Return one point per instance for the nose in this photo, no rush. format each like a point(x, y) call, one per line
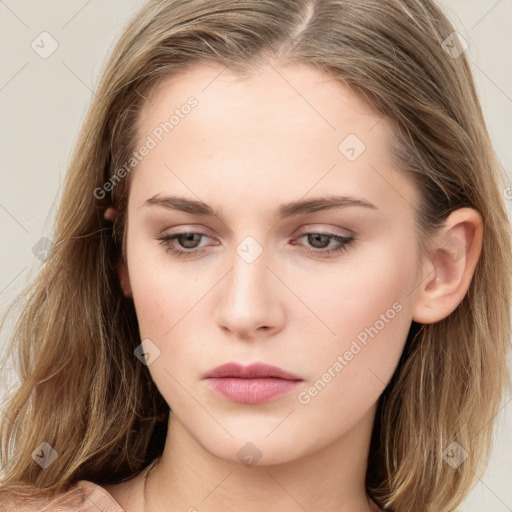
point(249, 302)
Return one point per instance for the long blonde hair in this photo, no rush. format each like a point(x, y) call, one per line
point(84, 392)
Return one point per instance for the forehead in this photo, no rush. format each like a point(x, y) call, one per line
point(273, 95)
point(288, 128)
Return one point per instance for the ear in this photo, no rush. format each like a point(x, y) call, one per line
point(124, 278)
point(111, 215)
point(449, 268)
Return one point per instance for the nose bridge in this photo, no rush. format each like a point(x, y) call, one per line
point(249, 281)
point(249, 300)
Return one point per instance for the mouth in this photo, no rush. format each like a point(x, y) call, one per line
point(253, 384)
point(252, 371)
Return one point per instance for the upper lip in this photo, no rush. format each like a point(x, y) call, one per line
point(252, 371)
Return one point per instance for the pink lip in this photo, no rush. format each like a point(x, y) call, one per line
point(252, 371)
point(253, 384)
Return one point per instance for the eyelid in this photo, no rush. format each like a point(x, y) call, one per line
point(321, 229)
point(186, 228)
point(317, 228)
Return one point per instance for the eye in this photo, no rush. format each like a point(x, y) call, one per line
point(321, 240)
point(188, 240)
point(185, 244)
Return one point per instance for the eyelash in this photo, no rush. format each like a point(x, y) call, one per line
point(167, 240)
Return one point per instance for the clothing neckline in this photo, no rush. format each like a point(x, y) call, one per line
point(94, 487)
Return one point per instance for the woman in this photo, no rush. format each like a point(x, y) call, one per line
point(280, 276)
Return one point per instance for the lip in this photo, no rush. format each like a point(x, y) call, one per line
point(253, 371)
point(253, 384)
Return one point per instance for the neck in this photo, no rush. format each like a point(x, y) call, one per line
point(190, 478)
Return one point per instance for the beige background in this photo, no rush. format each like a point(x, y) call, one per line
point(43, 103)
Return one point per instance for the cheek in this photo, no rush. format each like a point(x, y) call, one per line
point(363, 316)
point(164, 300)
point(162, 293)
point(168, 307)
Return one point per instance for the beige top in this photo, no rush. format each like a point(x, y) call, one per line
point(92, 498)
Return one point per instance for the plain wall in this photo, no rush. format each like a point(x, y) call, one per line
point(43, 102)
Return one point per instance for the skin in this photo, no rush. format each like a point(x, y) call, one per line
point(250, 145)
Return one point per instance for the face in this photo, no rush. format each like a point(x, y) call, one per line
point(324, 293)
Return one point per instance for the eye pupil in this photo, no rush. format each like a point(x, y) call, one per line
point(315, 236)
point(189, 237)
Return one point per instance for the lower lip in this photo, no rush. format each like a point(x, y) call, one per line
point(251, 391)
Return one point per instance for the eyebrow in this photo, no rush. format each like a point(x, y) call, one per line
point(290, 209)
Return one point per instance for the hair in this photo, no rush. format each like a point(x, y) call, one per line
point(81, 388)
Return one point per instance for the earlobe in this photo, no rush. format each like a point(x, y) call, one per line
point(110, 214)
point(451, 265)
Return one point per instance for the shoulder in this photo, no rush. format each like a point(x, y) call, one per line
point(98, 498)
point(82, 496)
